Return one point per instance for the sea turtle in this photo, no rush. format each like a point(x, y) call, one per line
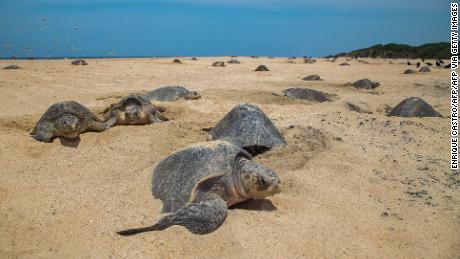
point(233, 61)
point(344, 64)
point(171, 93)
point(414, 107)
point(79, 62)
point(248, 127)
point(132, 110)
point(177, 61)
point(194, 59)
point(365, 84)
point(262, 68)
point(66, 119)
point(312, 78)
point(198, 183)
point(309, 60)
point(409, 71)
point(12, 67)
point(424, 69)
point(218, 64)
point(307, 94)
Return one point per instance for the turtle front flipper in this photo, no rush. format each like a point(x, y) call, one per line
point(43, 132)
point(155, 116)
point(96, 125)
point(200, 217)
point(110, 122)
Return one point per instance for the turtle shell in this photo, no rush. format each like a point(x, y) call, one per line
point(248, 127)
point(167, 93)
point(306, 94)
point(414, 107)
point(175, 177)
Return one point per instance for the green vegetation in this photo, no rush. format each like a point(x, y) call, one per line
point(430, 51)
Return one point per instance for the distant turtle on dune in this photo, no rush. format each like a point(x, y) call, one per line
point(365, 84)
point(218, 64)
point(194, 59)
point(198, 183)
point(312, 78)
point(409, 71)
point(177, 61)
point(344, 64)
point(79, 62)
point(66, 119)
point(233, 61)
point(171, 93)
point(414, 107)
point(248, 127)
point(262, 68)
point(132, 110)
point(424, 69)
point(307, 94)
point(12, 67)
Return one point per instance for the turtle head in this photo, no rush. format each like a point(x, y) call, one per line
point(68, 123)
point(192, 95)
point(132, 112)
point(258, 181)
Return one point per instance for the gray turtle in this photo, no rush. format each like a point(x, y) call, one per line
point(248, 127)
point(365, 84)
point(79, 62)
point(409, 71)
point(424, 69)
point(66, 119)
point(12, 67)
point(309, 60)
point(198, 183)
point(218, 64)
point(132, 110)
point(233, 61)
point(312, 78)
point(307, 94)
point(171, 93)
point(262, 68)
point(414, 107)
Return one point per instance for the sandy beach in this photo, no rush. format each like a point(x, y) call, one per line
point(354, 184)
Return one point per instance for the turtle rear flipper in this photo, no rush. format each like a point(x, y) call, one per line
point(200, 217)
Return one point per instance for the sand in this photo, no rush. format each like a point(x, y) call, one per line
point(354, 184)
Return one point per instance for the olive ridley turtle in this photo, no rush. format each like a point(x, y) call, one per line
point(198, 183)
point(262, 68)
point(171, 93)
point(132, 110)
point(414, 107)
point(66, 119)
point(248, 127)
point(307, 94)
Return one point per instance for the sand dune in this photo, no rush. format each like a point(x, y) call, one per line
point(354, 184)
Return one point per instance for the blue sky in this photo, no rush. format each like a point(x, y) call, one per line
point(212, 28)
